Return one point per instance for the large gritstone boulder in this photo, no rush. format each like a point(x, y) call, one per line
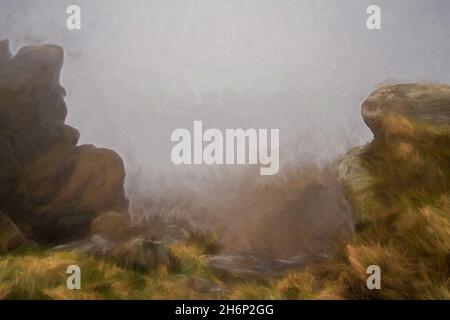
point(49, 187)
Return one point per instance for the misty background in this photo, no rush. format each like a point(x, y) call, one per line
point(139, 69)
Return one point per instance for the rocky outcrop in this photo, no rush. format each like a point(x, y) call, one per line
point(420, 103)
point(410, 149)
point(49, 187)
point(398, 189)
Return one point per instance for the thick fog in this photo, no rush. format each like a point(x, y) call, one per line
point(137, 70)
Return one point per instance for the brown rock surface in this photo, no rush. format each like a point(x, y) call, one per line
point(50, 187)
point(10, 235)
point(423, 103)
point(111, 225)
point(410, 149)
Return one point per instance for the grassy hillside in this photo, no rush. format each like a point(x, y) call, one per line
point(398, 188)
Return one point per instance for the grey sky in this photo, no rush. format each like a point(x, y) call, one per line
point(139, 69)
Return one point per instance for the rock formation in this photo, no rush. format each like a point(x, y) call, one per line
point(398, 189)
point(50, 188)
point(424, 103)
point(410, 149)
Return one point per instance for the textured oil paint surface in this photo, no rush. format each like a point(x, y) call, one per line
point(138, 70)
point(251, 149)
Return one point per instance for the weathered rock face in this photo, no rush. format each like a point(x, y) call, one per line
point(425, 103)
point(408, 117)
point(49, 187)
point(410, 149)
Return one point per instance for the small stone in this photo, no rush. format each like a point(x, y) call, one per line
point(141, 254)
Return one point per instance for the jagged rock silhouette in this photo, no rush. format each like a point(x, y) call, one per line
point(49, 187)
